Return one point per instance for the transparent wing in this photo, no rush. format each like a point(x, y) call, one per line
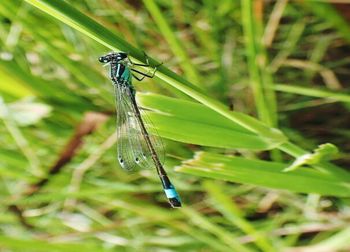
point(133, 151)
point(156, 140)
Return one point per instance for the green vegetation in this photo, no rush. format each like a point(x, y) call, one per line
point(252, 102)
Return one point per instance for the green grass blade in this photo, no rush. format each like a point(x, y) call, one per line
point(37, 86)
point(289, 46)
point(15, 86)
point(228, 208)
point(313, 92)
point(324, 152)
point(327, 12)
point(202, 222)
point(38, 245)
point(264, 173)
point(190, 122)
point(325, 167)
point(202, 236)
point(336, 242)
point(261, 80)
point(174, 43)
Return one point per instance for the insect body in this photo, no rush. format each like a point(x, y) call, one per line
point(136, 147)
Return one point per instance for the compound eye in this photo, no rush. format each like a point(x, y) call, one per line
point(104, 59)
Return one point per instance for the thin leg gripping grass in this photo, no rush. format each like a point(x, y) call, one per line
point(136, 147)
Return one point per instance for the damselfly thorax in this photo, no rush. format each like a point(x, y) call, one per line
point(121, 73)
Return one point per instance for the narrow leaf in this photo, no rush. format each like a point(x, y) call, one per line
point(324, 152)
point(194, 123)
point(14, 244)
point(264, 173)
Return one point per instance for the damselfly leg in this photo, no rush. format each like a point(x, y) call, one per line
point(144, 75)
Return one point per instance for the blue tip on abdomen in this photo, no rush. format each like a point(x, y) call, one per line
point(173, 197)
point(171, 193)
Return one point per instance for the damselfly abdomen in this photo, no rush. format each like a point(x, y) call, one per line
point(136, 147)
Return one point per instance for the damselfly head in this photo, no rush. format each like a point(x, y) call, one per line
point(113, 57)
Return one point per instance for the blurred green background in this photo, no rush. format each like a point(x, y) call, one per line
point(252, 101)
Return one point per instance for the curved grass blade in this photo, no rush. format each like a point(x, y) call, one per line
point(194, 123)
point(263, 173)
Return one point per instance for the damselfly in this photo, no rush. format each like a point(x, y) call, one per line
point(137, 148)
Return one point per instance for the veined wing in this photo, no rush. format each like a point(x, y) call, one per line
point(133, 151)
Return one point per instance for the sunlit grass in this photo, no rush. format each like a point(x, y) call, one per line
point(229, 96)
